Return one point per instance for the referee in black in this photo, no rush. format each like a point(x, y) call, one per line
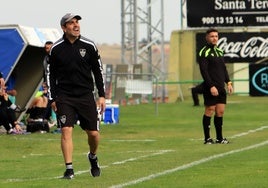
point(215, 75)
point(73, 60)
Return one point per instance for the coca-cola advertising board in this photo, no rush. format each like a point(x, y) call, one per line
point(240, 46)
point(258, 83)
point(226, 13)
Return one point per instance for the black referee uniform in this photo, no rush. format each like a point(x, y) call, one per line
point(214, 72)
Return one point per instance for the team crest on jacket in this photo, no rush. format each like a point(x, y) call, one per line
point(82, 52)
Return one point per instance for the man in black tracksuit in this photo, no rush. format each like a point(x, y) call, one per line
point(73, 60)
point(215, 75)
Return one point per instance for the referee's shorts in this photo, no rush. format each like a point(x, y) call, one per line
point(82, 108)
point(210, 100)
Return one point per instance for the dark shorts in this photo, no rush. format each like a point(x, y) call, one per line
point(83, 108)
point(210, 100)
point(35, 126)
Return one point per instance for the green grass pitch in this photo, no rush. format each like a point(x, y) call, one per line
point(149, 150)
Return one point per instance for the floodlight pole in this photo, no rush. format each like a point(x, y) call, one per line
point(142, 30)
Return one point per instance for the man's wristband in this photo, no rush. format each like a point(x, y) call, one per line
point(229, 83)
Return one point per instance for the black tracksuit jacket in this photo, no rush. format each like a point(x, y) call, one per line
point(72, 66)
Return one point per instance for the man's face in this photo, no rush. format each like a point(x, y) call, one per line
point(72, 28)
point(212, 38)
point(47, 47)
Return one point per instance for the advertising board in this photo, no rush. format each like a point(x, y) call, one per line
point(239, 46)
point(226, 13)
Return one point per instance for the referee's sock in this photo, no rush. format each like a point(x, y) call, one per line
point(206, 126)
point(218, 127)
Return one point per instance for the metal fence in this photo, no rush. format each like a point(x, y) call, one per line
point(131, 88)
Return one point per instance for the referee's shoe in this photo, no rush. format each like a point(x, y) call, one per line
point(209, 141)
point(223, 141)
point(95, 169)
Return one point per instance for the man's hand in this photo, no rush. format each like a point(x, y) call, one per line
point(54, 106)
point(214, 91)
point(18, 128)
point(101, 104)
point(230, 89)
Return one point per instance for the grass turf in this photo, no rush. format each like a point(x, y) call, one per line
point(145, 150)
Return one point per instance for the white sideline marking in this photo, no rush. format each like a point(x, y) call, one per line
point(35, 139)
point(159, 152)
point(57, 139)
point(143, 151)
point(144, 156)
point(250, 131)
point(146, 140)
point(241, 134)
point(189, 165)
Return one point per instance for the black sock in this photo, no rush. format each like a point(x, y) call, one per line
point(218, 127)
point(206, 126)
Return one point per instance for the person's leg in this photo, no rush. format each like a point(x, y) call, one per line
point(66, 118)
point(200, 88)
point(218, 122)
point(67, 144)
point(87, 115)
point(218, 127)
point(7, 126)
point(206, 127)
point(93, 141)
point(67, 151)
point(195, 96)
point(53, 116)
point(13, 120)
point(4, 120)
point(210, 107)
point(48, 112)
point(209, 110)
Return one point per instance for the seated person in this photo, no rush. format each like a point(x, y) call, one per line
point(7, 115)
point(37, 111)
point(50, 114)
point(2, 81)
point(11, 95)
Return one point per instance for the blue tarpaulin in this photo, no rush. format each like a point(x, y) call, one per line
point(11, 47)
point(21, 59)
